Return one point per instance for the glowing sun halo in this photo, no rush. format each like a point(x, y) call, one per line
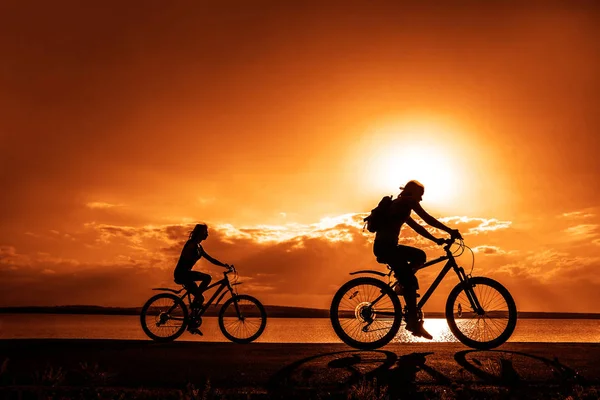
point(428, 164)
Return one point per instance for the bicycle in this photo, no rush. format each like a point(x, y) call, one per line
point(242, 318)
point(366, 312)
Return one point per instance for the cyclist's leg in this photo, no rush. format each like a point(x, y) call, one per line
point(199, 289)
point(407, 258)
point(384, 252)
point(402, 261)
point(415, 257)
point(187, 279)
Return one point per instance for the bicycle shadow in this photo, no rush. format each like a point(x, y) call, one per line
point(386, 374)
point(339, 372)
point(515, 368)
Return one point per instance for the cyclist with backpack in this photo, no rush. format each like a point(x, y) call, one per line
point(386, 221)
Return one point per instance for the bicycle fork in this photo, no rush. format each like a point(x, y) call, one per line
point(469, 292)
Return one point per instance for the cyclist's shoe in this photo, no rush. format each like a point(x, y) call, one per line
point(194, 326)
point(195, 331)
point(417, 329)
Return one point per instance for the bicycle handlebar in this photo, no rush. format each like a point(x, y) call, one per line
point(230, 269)
point(451, 241)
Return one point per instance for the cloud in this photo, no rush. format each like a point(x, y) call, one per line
point(101, 205)
point(206, 200)
point(489, 250)
point(277, 262)
point(476, 225)
point(340, 228)
point(290, 264)
point(555, 267)
point(137, 238)
point(7, 251)
point(10, 258)
point(578, 214)
point(120, 285)
point(582, 231)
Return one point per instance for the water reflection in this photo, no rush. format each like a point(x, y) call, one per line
point(437, 327)
point(278, 330)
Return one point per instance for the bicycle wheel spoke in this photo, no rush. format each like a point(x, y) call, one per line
point(487, 327)
point(242, 319)
point(365, 312)
point(163, 318)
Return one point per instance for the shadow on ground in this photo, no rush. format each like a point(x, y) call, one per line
point(382, 374)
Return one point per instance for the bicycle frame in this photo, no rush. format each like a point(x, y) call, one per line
point(462, 277)
point(223, 284)
point(450, 264)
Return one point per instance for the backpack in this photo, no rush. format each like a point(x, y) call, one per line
point(379, 215)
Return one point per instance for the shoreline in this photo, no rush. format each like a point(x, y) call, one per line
point(272, 312)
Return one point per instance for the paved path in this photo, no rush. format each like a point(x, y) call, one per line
point(274, 368)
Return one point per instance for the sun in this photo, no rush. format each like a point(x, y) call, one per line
point(429, 163)
point(425, 163)
point(446, 156)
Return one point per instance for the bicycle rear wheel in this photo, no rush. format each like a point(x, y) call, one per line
point(164, 317)
point(365, 313)
point(488, 329)
point(242, 319)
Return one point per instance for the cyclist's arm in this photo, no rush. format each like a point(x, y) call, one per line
point(431, 220)
point(420, 229)
point(214, 260)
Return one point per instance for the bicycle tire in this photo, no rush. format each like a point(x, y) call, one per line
point(501, 321)
point(341, 324)
point(184, 317)
point(256, 309)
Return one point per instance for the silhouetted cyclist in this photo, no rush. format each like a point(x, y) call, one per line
point(192, 251)
point(405, 259)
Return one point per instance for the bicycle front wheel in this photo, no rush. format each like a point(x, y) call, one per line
point(164, 317)
point(493, 325)
point(365, 313)
point(242, 319)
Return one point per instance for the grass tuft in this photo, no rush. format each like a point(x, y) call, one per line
point(368, 390)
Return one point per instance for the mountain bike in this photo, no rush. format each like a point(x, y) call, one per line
point(366, 312)
point(242, 318)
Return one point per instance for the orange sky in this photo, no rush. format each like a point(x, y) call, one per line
point(279, 124)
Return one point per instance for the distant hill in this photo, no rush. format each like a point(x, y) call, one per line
point(272, 312)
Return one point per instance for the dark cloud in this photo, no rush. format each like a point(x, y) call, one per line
point(299, 265)
point(110, 285)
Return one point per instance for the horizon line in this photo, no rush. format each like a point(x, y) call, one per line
point(266, 305)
